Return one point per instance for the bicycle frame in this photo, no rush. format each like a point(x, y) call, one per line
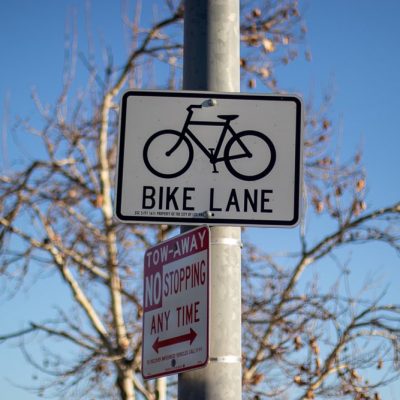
point(212, 153)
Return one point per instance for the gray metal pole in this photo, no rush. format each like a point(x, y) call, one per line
point(211, 62)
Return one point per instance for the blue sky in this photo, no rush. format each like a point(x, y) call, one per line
point(355, 56)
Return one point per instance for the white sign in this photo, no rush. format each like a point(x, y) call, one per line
point(215, 158)
point(176, 305)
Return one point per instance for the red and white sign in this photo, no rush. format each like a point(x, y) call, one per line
point(176, 304)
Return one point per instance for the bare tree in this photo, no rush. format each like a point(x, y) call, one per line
point(56, 213)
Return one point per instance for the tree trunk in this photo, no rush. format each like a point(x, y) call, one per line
point(125, 384)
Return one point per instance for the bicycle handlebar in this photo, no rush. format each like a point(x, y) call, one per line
point(205, 103)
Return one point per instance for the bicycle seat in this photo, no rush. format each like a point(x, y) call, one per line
point(228, 117)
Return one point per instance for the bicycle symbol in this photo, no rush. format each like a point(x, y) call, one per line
point(178, 155)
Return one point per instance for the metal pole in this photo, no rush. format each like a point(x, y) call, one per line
point(211, 62)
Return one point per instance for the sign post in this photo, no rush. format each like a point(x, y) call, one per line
point(211, 62)
point(176, 305)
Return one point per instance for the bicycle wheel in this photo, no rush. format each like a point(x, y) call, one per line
point(166, 165)
point(245, 145)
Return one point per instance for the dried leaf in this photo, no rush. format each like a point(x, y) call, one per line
point(257, 378)
point(99, 201)
point(325, 124)
point(360, 185)
point(252, 40)
point(322, 138)
point(358, 207)
point(265, 73)
point(268, 45)
point(318, 204)
point(295, 12)
point(267, 26)
point(72, 193)
point(297, 343)
point(355, 375)
point(297, 379)
point(314, 346)
point(325, 161)
point(272, 83)
point(304, 368)
point(252, 83)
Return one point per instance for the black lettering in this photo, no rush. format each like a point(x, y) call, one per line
point(265, 200)
point(250, 200)
point(233, 201)
point(170, 197)
point(160, 198)
point(196, 311)
point(148, 196)
point(212, 208)
point(186, 198)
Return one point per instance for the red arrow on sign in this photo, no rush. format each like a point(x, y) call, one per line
point(177, 339)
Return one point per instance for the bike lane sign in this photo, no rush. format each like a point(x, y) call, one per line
point(176, 304)
point(203, 157)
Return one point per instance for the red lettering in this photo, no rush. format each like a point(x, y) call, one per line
point(188, 314)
